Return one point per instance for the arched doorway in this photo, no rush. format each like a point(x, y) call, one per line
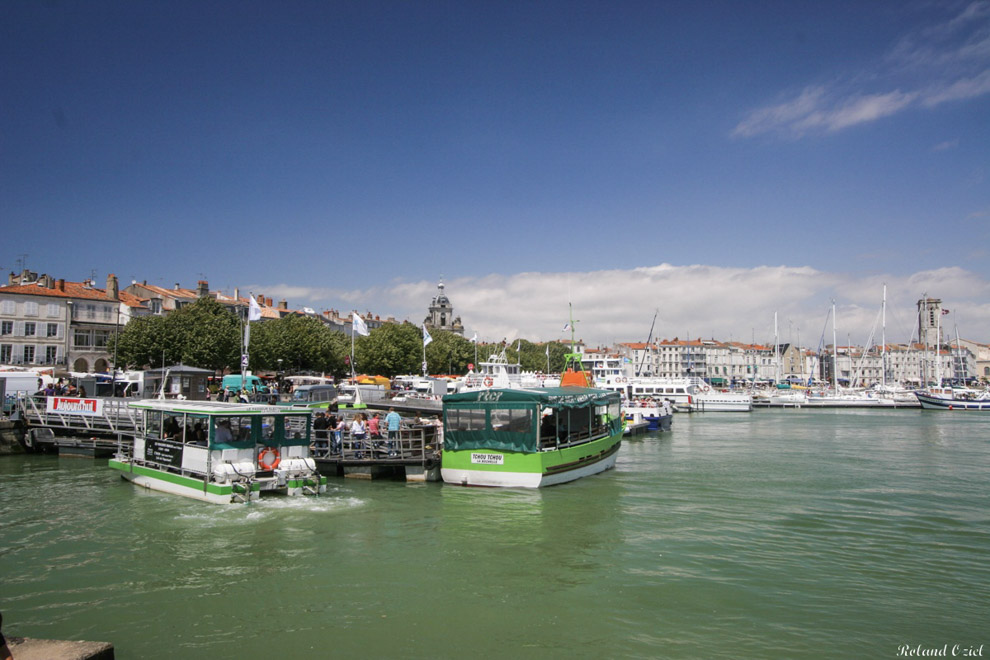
point(80, 365)
point(101, 366)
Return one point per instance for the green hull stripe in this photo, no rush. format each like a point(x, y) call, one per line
point(171, 477)
point(546, 463)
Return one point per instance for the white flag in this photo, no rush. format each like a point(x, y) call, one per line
point(566, 327)
point(474, 340)
point(254, 310)
point(426, 336)
point(359, 325)
point(548, 350)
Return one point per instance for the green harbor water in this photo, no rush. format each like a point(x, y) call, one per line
point(773, 534)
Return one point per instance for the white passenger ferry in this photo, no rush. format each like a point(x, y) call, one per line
point(220, 452)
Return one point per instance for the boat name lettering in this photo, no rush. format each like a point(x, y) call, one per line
point(488, 459)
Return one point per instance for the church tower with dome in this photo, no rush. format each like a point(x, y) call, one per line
point(441, 315)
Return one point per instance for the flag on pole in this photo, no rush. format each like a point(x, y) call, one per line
point(474, 340)
point(426, 336)
point(254, 310)
point(548, 350)
point(566, 327)
point(518, 345)
point(359, 325)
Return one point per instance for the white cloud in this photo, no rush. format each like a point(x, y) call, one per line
point(941, 63)
point(697, 300)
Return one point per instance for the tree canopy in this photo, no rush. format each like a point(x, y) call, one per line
point(208, 335)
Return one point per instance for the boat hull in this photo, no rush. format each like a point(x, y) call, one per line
point(929, 402)
point(198, 489)
point(478, 467)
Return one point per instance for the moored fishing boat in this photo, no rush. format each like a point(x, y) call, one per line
point(946, 398)
point(220, 452)
point(529, 437)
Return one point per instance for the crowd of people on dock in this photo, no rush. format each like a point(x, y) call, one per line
point(367, 432)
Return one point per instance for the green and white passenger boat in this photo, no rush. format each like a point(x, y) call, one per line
point(529, 437)
point(220, 452)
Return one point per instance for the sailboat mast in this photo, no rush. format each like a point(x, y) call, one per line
point(883, 339)
point(835, 353)
point(776, 352)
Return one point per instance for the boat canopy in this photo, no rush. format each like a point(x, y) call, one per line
point(509, 419)
point(244, 425)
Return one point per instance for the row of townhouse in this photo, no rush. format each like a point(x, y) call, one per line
point(735, 364)
point(48, 322)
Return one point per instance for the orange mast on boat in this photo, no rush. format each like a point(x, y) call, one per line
point(574, 374)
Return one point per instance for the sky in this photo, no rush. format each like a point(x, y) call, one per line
point(710, 165)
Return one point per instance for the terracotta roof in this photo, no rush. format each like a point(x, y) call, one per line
point(71, 290)
point(169, 293)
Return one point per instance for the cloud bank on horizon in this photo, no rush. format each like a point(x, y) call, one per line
point(727, 304)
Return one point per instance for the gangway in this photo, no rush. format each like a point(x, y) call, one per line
point(103, 417)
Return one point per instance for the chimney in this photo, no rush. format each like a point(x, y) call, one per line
point(176, 286)
point(113, 292)
point(237, 293)
point(60, 285)
point(203, 288)
point(282, 304)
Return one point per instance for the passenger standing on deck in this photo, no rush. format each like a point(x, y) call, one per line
point(359, 432)
point(320, 426)
point(338, 429)
point(393, 421)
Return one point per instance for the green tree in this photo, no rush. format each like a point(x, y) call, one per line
point(210, 335)
point(448, 353)
point(390, 350)
point(149, 341)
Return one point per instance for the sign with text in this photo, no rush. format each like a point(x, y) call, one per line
point(73, 406)
point(488, 459)
point(164, 452)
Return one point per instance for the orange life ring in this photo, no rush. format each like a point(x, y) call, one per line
point(265, 465)
point(488, 382)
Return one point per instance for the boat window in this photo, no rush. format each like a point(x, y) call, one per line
point(172, 426)
point(297, 427)
point(465, 419)
point(267, 430)
point(230, 430)
point(513, 421)
point(153, 428)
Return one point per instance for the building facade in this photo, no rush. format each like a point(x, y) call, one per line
point(54, 323)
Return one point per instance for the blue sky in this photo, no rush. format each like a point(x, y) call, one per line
point(718, 161)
